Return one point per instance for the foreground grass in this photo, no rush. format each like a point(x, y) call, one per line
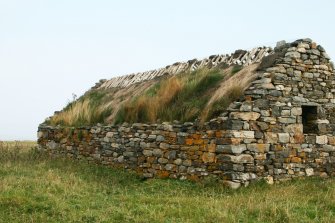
point(34, 188)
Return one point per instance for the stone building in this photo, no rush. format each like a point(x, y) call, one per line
point(282, 127)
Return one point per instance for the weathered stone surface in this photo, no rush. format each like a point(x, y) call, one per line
point(296, 111)
point(232, 184)
point(233, 149)
point(293, 54)
point(52, 145)
point(178, 161)
point(321, 139)
point(160, 138)
point(246, 116)
point(147, 152)
point(287, 120)
point(328, 148)
point(240, 159)
point(294, 128)
point(283, 137)
point(309, 172)
point(258, 148)
point(157, 152)
point(208, 157)
point(169, 167)
point(244, 134)
point(163, 160)
point(308, 75)
point(271, 137)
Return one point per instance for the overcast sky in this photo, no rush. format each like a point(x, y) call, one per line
point(50, 49)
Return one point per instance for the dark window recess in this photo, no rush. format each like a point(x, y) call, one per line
point(309, 117)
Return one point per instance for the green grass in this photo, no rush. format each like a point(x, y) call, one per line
point(182, 97)
point(88, 110)
point(220, 105)
point(35, 188)
point(236, 68)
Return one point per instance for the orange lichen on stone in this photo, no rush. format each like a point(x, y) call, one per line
point(198, 142)
point(211, 147)
point(296, 159)
point(208, 157)
point(196, 136)
point(298, 138)
point(218, 134)
point(189, 141)
point(331, 140)
point(163, 174)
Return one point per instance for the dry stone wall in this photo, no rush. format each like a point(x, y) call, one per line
point(283, 127)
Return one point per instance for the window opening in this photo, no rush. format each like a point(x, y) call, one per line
point(309, 117)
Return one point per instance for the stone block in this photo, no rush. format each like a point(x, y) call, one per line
point(321, 139)
point(164, 145)
point(293, 54)
point(208, 157)
point(328, 148)
point(294, 128)
point(270, 120)
point(157, 152)
point(283, 137)
point(235, 124)
point(271, 137)
point(246, 106)
point(296, 159)
point(211, 147)
point(258, 147)
point(231, 149)
point(232, 184)
point(147, 152)
point(308, 75)
point(296, 111)
point(187, 162)
point(309, 172)
point(160, 138)
point(269, 180)
point(171, 154)
point(52, 145)
point(331, 140)
point(110, 134)
point(246, 116)
point(163, 160)
point(178, 161)
point(240, 159)
point(170, 167)
point(263, 126)
point(285, 113)
point(120, 159)
point(287, 120)
point(244, 134)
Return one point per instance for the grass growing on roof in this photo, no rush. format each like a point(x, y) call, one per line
point(219, 106)
point(181, 97)
point(90, 109)
point(36, 188)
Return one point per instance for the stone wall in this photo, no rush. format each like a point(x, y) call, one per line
point(266, 134)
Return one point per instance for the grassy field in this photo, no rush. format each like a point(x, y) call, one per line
point(34, 188)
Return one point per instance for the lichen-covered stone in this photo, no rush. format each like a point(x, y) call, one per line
point(246, 116)
point(231, 149)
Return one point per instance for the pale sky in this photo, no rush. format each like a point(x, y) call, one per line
point(50, 49)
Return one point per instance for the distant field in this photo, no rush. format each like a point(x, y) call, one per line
point(34, 188)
